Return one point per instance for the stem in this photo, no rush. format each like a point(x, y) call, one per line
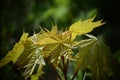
point(58, 76)
point(65, 67)
point(57, 73)
point(63, 61)
point(74, 75)
point(61, 67)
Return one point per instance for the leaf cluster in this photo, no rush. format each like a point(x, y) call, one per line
point(31, 51)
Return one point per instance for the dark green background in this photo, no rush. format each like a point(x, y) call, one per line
point(29, 15)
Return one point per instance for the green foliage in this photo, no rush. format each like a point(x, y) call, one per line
point(15, 53)
point(95, 54)
point(30, 52)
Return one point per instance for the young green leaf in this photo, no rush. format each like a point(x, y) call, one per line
point(95, 54)
point(48, 38)
point(83, 27)
point(100, 61)
point(84, 54)
point(35, 60)
point(35, 77)
point(50, 49)
point(15, 52)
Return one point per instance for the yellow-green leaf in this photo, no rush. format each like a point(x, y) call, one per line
point(35, 77)
point(46, 41)
point(15, 52)
point(95, 54)
point(83, 56)
point(55, 55)
point(54, 29)
point(35, 62)
point(100, 61)
point(82, 27)
point(49, 49)
point(47, 37)
point(19, 47)
point(24, 37)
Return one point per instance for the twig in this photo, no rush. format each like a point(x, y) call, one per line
point(74, 75)
point(57, 73)
point(65, 66)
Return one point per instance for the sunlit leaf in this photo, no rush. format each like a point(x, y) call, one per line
point(48, 38)
point(15, 52)
point(54, 29)
point(82, 27)
point(49, 49)
point(35, 77)
point(55, 55)
point(47, 41)
point(39, 71)
point(35, 60)
point(25, 56)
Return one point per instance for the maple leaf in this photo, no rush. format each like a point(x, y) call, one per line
point(83, 56)
point(15, 52)
point(31, 57)
point(95, 54)
point(101, 61)
point(83, 27)
point(56, 44)
point(36, 60)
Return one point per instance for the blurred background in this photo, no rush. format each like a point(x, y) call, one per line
point(17, 16)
